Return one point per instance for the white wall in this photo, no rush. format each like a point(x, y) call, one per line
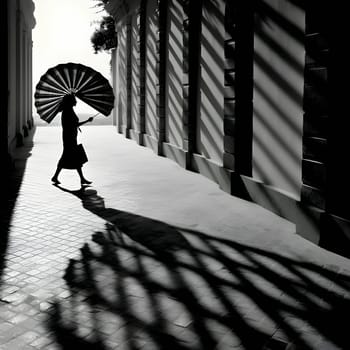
point(278, 90)
point(210, 131)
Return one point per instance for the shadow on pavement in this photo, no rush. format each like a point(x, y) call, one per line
point(10, 190)
point(145, 284)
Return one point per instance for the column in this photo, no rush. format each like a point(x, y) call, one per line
point(128, 76)
point(4, 154)
point(191, 67)
point(19, 78)
point(331, 25)
point(141, 62)
point(316, 113)
point(160, 69)
point(238, 87)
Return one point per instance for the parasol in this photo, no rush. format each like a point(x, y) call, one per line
point(72, 78)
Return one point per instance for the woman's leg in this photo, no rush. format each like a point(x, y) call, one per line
point(55, 177)
point(82, 178)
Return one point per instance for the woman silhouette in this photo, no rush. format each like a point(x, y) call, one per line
point(70, 158)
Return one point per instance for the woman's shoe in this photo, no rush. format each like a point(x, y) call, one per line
point(55, 180)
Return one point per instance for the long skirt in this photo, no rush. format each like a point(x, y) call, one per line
point(73, 157)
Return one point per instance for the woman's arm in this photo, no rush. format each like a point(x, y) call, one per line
point(86, 121)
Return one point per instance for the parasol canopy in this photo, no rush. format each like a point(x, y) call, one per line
point(84, 82)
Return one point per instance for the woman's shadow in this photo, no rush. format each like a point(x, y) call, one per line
point(157, 236)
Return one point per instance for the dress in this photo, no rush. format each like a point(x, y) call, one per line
point(70, 158)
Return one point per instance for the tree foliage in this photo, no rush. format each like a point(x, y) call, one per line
point(104, 37)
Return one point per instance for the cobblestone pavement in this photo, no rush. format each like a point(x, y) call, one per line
point(155, 257)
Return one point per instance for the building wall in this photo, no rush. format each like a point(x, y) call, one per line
point(4, 30)
point(239, 93)
point(135, 76)
point(276, 141)
point(121, 52)
point(20, 24)
point(115, 85)
point(173, 78)
point(13, 74)
point(210, 128)
point(150, 69)
point(278, 93)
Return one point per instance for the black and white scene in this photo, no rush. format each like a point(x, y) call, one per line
point(174, 175)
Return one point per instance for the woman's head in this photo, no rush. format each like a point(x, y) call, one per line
point(68, 101)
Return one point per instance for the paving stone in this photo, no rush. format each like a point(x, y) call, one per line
point(20, 341)
point(6, 314)
point(189, 338)
point(41, 342)
point(18, 319)
point(229, 341)
point(7, 331)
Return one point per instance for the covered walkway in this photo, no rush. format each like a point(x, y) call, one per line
point(152, 256)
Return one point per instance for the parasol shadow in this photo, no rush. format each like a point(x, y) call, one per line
point(213, 280)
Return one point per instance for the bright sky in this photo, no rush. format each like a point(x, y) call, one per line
point(62, 34)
